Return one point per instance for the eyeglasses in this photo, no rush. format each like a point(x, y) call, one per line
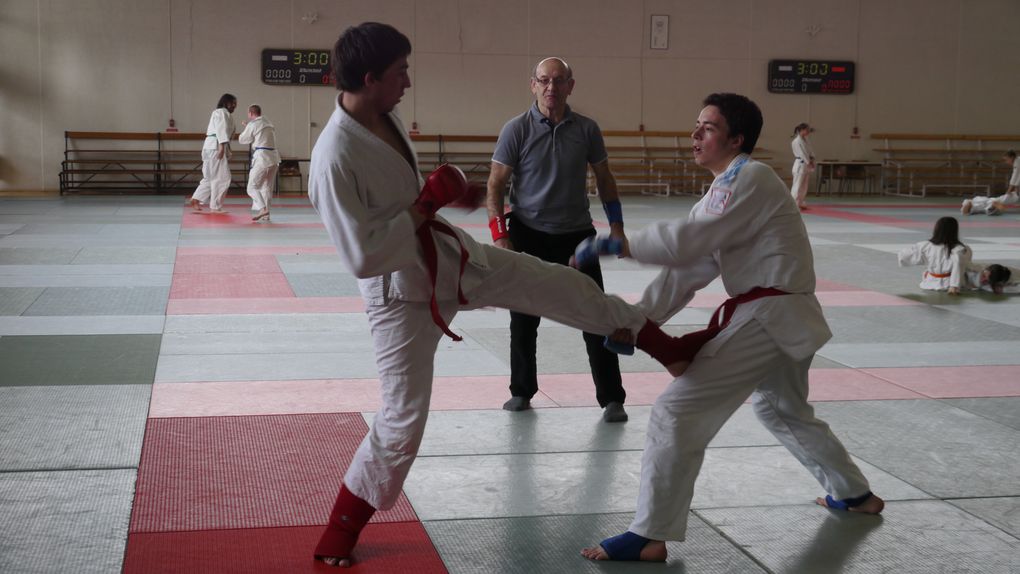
point(558, 82)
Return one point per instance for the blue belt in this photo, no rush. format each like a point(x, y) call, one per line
point(268, 148)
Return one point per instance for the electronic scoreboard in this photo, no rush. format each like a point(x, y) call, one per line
point(811, 77)
point(289, 67)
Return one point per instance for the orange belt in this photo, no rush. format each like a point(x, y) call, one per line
point(938, 275)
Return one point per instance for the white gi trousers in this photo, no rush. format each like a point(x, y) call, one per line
point(405, 340)
point(692, 409)
point(801, 179)
point(261, 180)
point(215, 179)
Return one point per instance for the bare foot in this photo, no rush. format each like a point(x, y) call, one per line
point(871, 505)
point(218, 211)
point(260, 215)
point(676, 369)
point(194, 204)
point(337, 562)
point(654, 551)
point(965, 209)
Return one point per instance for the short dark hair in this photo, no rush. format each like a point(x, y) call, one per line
point(998, 275)
point(226, 99)
point(800, 126)
point(742, 116)
point(368, 48)
point(1010, 153)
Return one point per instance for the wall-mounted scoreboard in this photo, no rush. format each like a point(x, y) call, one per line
point(289, 67)
point(811, 77)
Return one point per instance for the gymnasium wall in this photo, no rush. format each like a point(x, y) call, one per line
point(931, 66)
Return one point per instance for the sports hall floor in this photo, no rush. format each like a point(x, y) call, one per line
point(182, 393)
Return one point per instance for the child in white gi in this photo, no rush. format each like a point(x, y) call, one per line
point(747, 230)
point(265, 160)
point(944, 256)
point(803, 164)
point(996, 278)
point(996, 205)
point(216, 157)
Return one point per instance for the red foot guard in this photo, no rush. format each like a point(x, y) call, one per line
point(349, 516)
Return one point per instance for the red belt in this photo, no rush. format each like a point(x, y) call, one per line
point(693, 342)
point(938, 275)
point(428, 245)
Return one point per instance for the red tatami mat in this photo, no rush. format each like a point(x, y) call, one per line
point(229, 285)
point(264, 305)
point(955, 382)
point(255, 250)
point(215, 473)
point(394, 547)
point(226, 263)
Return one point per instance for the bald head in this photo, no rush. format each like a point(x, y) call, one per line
point(552, 64)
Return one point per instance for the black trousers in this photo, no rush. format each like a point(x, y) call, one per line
point(605, 365)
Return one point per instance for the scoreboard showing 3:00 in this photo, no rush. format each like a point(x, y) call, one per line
point(811, 77)
point(296, 67)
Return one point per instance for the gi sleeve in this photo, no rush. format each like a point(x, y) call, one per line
point(367, 247)
point(247, 137)
point(913, 255)
point(960, 259)
point(673, 289)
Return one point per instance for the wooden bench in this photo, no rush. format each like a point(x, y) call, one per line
point(914, 164)
point(138, 162)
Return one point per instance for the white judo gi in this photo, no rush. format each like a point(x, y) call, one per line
point(802, 156)
point(361, 187)
point(215, 171)
point(265, 160)
point(986, 204)
point(943, 268)
point(747, 230)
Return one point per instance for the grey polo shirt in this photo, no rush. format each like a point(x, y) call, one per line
point(550, 167)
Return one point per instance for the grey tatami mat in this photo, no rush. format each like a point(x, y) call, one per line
point(73, 521)
point(125, 255)
point(1002, 513)
point(78, 360)
point(72, 427)
point(552, 544)
point(83, 325)
point(323, 284)
point(912, 323)
point(36, 256)
point(945, 451)
point(88, 301)
point(910, 537)
point(450, 433)
point(457, 487)
point(14, 300)
point(948, 354)
point(1003, 410)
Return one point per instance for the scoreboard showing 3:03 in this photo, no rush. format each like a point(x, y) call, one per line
point(811, 77)
point(290, 67)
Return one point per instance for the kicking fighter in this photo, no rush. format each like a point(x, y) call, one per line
point(415, 270)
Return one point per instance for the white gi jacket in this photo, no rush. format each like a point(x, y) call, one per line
point(361, 188)
point(261, 135)
point(221, 128)
point(802, 153)
point(747, 229)
point(942, 270)
point(1014, 178)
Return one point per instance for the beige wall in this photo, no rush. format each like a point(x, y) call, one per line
point(127, 65)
